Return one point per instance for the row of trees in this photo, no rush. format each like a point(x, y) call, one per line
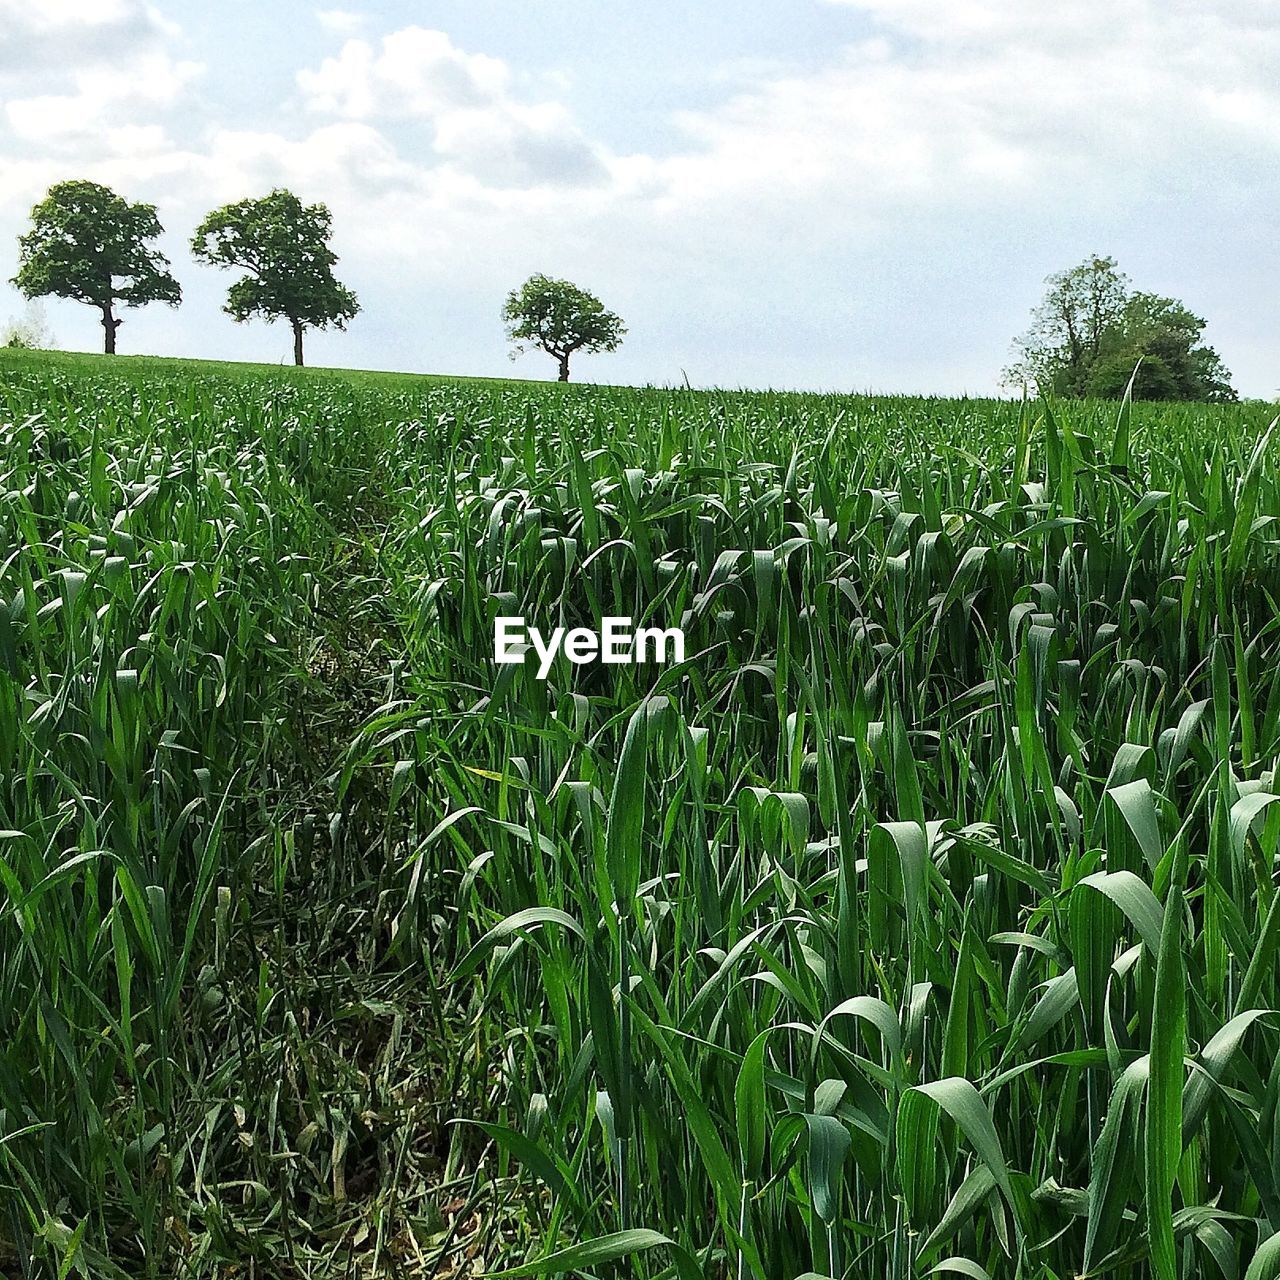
point(1092, 334)
point(91, 245)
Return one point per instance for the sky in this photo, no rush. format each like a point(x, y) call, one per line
point(819, 194)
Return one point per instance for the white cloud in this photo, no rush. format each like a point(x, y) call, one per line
point(349, 163)
point(341, 22)
point(415, 72)
point(1087, 27)
point(52, 15)
point(88, 76)
point(467, 101)
point(103, 103)
point(89, 88)
point(982, 101)
point(512, 145)
point(54, 37)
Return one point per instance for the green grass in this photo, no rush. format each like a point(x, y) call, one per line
point(923, 921)
point(149, 367)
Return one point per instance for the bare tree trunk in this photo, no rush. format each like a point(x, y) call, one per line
point(297, 342)
point(109, 326)
point(564, 367)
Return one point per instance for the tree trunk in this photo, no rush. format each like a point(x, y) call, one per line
point(564, 367)
point(109, 326)
point(297, 342)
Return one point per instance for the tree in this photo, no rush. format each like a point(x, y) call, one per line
point(1150, 375)
point(91, 245)
point(1070, 328)
point(559, 318)
point(1091, 335)
point(284, 246)
point(1164, 330)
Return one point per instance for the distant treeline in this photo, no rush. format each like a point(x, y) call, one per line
point(1090, 336)
point(91, 245)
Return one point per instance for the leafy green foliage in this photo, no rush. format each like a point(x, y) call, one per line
point(923, 921)
point(284, 246)
point(559, 318)
point(88, 244)
point(1090, 334)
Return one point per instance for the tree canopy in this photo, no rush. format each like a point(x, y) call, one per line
point(1091, 332)
point(88, 244)
point(283, 244)
point(559, 318)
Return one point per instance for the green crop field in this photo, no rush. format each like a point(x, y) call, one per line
point(923, 920)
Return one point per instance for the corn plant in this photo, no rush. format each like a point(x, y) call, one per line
point(922, 921)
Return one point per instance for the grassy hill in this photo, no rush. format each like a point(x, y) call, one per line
point(161, 367)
